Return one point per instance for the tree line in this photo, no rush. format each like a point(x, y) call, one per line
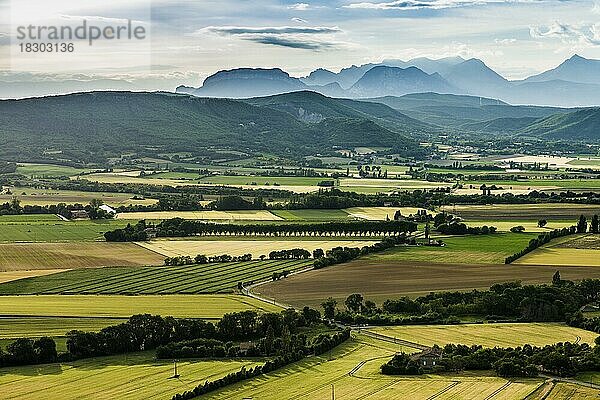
point(178, 227)
point(509, 301)
point(339, 255)
point(541, 240)
point(326, 343)
point(562, 359)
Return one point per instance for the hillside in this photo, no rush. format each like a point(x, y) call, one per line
point(313, 107)
point(582, 124)
point(466, 112)
point(94, 126)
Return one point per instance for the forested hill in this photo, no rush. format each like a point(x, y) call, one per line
point(98, 125)
point(581, 125)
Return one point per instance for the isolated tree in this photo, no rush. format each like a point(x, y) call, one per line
point(556, 278)
point(582, 224)
point(318, 253)
point(268, 341)
point(542, 223)
point(595, 224)
point(427, 231)
point(329, 306)
point(370, 307)
point(354, 302)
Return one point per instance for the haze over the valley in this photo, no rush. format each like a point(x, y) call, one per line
point(502, 46)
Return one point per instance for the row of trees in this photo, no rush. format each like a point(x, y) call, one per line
point(540, 241)
point(146, 332)
point(178, 227)
point(339, 255)
point(203, 259)
point(293, 254)
point(460, 228)
point(502, 302)
point(321, 344)
point(594, 225)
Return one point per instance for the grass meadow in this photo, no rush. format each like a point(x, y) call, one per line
point(490, 335)
point(181, 306)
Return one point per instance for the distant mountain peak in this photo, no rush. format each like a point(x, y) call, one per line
point(577, 57)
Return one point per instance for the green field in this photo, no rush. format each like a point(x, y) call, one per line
point(130, 376)
point(207, 278)
point(11, 328)
point(523, 212)
point(352, 369)
point(54, 327)
point(489, 335)
point(44, 228)
point(262, 180)
point(470, 249)
point(48, 170)
point(71, 255)
point(28, 218)
point(311, 215)
point(43, 197)
point(180, 306)
point(573, 250)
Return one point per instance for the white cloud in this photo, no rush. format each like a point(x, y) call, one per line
point(576, 35)
point(300, 20)
point(295, 37)
point(505, 42)
point(299, 6)
point(428, 4)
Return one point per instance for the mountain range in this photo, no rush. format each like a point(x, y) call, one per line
point(574, 83)
point(98, 126)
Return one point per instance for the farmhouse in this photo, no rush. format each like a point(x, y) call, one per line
point(428, 359)
point(79, 214)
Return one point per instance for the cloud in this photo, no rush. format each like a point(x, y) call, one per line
point(274, 30)
point(300, 20)
point(295, 37)
point(505, 41)
point(299, 6)
point(577, 35)
point(99, 19)
point(429, 4)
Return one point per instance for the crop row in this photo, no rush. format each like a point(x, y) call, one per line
point(209, 278)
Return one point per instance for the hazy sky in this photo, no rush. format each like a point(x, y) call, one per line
point(192, 39)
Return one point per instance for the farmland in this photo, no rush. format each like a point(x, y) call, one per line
point(311, 215)
point(562, 391)
point(570, 251)
point(181, 306)
point(380, 213)
point(172, 248)
point(49, 326)
point(131, 376)
point(43, 197)
point(353, 370)
point(245, 215)
point(47, 228)
point(471, 249)
point(523, 212)
point(194, 279)
point(489, 335)
point(44, 256)
point(7, 276)
point(379, 280)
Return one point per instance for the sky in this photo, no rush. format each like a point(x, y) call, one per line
point(188, 40)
